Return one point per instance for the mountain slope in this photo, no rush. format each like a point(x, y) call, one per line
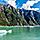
point(14, 17)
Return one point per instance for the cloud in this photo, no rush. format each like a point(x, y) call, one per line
point(25, 6)
point(12, 3)
point(28, 4)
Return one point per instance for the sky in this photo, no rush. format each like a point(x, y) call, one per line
point(26, 4)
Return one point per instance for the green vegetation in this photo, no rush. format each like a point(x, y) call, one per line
point(11, 17)
point(16, 19)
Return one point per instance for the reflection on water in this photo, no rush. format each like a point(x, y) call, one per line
point(4, 32)
point(22, 34)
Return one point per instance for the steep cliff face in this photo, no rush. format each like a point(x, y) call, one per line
point(31, 17)
point(14, 17)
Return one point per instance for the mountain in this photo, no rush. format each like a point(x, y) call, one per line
point(34, 16)
point(14, 17)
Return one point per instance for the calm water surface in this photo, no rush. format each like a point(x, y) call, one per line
point(22, 34)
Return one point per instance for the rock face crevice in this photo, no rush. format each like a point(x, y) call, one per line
point(9, 16)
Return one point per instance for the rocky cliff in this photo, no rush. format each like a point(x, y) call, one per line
point(9, 16)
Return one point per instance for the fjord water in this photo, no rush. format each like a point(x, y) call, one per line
point(22, 34)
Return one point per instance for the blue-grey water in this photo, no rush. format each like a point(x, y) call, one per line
point(22, 34)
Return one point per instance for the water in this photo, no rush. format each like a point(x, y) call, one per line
point(22, 34)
